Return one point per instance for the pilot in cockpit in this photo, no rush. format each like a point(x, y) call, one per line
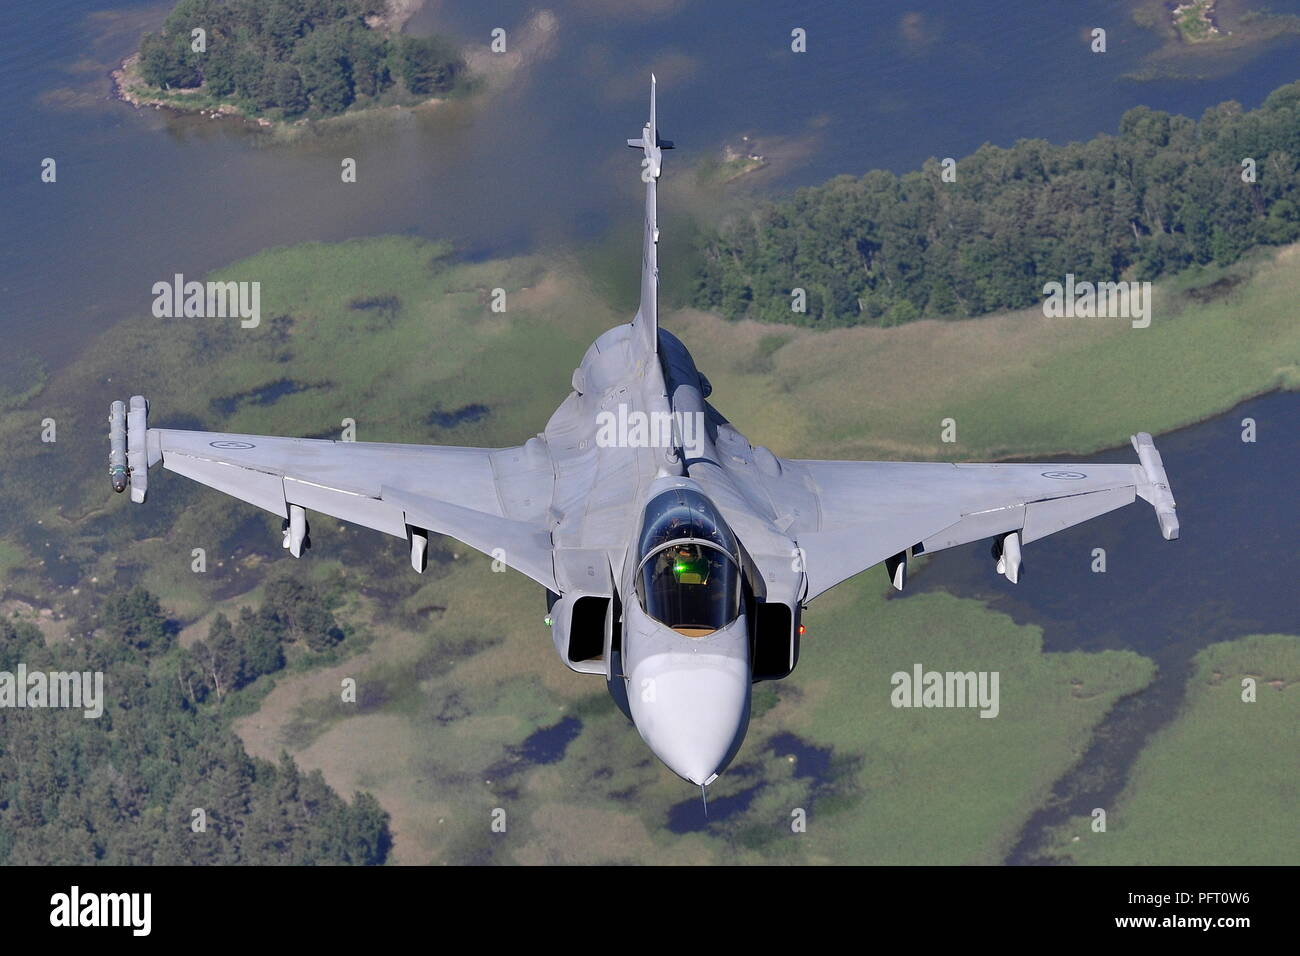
point(689, 578)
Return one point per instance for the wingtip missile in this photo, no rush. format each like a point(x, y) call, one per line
point(117, 473)
point(1156, 489)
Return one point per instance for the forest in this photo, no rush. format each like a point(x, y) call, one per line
point(1164, 194)
point(124, 788)
point(313, 57)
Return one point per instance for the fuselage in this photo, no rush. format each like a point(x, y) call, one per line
point(656, 545)
point(686, 641)
point(632, 430)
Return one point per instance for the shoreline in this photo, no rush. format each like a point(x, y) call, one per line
point(123, 90)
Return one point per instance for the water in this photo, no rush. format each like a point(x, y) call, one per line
point(539, 164)
point(548, 744)
point(1231, 573)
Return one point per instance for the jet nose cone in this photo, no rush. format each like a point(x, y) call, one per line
point(691, 712)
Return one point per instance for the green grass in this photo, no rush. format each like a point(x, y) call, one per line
point(943, 786)
point(11, 556)
point(1218, 785)
point(443, 348)
point(22, 376)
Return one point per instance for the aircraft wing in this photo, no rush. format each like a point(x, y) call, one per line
point(488, 498)
point(873, 511)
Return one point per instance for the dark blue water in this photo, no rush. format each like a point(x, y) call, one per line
point(548, 744)
point(1232, 571)
point(539, 164)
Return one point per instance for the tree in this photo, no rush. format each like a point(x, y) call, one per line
point(425, 64)
point(17, 639)
point(167, 61)
point(219, 72)
point(301, 610)
point(120, 790)
point(220, 658)
point(901, 312)
point(366, 839)
point(135, 619)
point(368, 54)
point(326, 70)
point(261, 636)
point(289, 94)
point(1166, 193)
point(292, 54)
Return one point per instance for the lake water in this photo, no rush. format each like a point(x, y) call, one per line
point(144, 194)
point(1231, 571)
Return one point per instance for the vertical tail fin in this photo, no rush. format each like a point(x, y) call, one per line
point(645, 327)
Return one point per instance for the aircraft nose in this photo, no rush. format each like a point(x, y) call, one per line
point(692, 713)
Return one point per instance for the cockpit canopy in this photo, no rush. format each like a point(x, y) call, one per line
point(684, 513)
point(688, 577)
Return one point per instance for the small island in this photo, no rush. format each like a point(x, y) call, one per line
point(288, 60)
point(1194, 20)
point(733, 163)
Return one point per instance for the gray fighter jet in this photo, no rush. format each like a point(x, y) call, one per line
point(677, 557)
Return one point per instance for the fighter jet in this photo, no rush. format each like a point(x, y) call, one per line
point(677, 556)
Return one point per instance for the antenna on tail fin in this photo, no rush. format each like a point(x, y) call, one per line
point(645, 327)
